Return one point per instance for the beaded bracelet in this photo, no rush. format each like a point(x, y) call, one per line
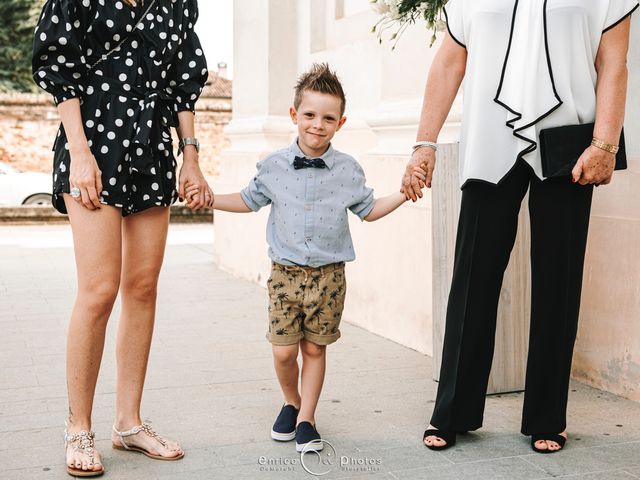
point(424, 143)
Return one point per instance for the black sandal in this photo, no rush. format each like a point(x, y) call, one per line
point(448, 437)
point(552, 437)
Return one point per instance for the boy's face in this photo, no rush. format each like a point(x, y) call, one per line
point(318, 118)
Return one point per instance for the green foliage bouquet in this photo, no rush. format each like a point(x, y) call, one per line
point(399, 14)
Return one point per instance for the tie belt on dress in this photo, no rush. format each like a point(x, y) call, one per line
point(153, 112)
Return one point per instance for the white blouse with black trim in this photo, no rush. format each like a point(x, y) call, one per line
point(530, 66)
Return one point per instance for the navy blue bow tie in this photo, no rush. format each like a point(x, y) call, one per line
point(303, 162)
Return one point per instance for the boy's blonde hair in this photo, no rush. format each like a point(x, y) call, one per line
point(320, 79)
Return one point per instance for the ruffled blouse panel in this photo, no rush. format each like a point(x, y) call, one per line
point(530, 66)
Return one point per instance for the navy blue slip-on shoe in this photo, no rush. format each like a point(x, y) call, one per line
point(284, 428)
point(308, 438)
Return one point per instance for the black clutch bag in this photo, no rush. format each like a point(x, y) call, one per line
point(561, 147)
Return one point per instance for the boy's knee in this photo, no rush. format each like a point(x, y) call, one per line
point(285, 354)
point(311, 349)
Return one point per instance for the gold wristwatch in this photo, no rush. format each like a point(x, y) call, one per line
point(607, 147)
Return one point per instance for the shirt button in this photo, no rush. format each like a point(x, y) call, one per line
point(307, 239)
point(307, 207)
point(310, 175)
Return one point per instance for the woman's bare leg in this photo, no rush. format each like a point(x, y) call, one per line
point(144, 237)
point(96, 239)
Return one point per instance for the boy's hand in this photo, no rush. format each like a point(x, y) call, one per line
point(191, 196)
point(419, 173)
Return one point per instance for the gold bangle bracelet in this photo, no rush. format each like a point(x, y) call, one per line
point(607, 147)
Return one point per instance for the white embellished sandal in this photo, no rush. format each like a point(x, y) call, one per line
point(82, 442)
point(146, 428)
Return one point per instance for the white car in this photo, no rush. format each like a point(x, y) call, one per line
point(24, 188)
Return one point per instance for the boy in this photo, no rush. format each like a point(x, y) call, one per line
point(310, 186)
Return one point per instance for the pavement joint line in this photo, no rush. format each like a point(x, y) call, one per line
point(442, 455)
point(545, 476)
point(17, 470)
point(630, 473)
point(21, 388)
point(201, 248)
point(524, 457)
point(594, 472)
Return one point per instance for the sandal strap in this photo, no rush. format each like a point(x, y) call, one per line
point(447, 436)
point(127, 433)
point(551, 437)
point(144, 427)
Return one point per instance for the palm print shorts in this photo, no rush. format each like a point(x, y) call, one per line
point(305, 302)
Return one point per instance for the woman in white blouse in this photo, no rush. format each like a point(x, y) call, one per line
point(528, 65)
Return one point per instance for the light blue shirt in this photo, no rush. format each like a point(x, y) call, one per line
point(308, 222)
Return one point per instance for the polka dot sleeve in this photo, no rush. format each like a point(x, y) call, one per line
point(190, 72)
point(58, 62)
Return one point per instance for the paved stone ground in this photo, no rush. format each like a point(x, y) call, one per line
point(211, 385)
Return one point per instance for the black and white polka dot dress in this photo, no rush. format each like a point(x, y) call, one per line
point(129, 101)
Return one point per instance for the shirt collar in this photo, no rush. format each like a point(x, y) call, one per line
point(328, 156)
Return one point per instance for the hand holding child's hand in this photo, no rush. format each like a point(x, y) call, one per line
point(190, 174)
point(419, 173)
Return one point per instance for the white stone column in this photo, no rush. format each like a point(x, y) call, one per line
point(265, 70)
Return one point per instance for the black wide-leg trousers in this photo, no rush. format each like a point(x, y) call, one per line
point(559, 212)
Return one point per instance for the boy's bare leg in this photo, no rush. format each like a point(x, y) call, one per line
point(285, 360)
point(314, 360)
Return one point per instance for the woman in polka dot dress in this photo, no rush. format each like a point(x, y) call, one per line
point(122, 74)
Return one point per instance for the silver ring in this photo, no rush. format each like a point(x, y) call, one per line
point(75, 192)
